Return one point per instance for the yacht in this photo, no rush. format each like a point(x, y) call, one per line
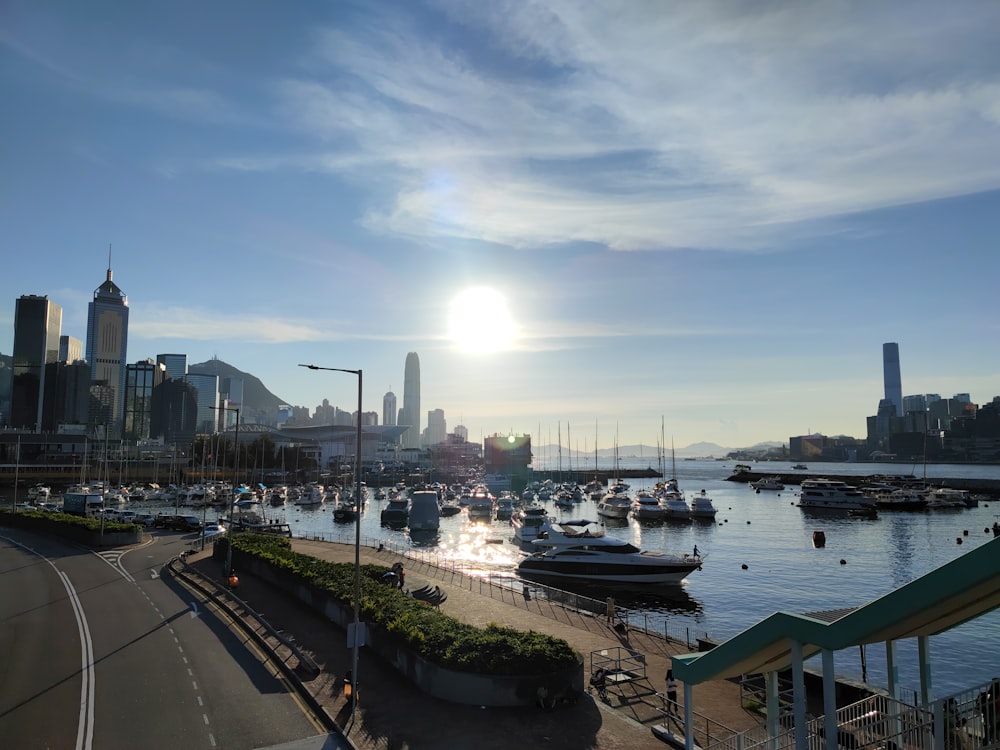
point(505, 506)
point(313, 496)
point(674, 504)
point(832, 494)
point(584, 552)
point(900, 499)
point(647, 507)
point(946, 497)
point(768, 483)
point(615, 504)
point(480, 504)
point(701, 507)
point(529, 522)
point(395, 513)
point(425, 515)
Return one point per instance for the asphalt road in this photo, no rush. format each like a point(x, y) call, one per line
point(97, 651)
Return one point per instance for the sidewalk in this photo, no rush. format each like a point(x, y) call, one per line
point(394, 715)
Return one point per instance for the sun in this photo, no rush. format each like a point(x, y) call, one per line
point(480, 321)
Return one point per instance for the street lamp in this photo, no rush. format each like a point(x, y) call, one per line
point(356, 641)
point(236, 469)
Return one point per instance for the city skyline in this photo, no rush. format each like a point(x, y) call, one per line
point(667, 215)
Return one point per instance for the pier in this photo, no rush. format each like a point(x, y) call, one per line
point(988, 487)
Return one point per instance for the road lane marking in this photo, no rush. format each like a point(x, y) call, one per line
point(85, 727)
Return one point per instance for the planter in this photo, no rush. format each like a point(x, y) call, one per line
point(458, 687)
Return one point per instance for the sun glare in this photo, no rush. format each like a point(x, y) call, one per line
point(480, 321)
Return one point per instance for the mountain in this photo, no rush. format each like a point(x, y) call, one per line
point(259, 404)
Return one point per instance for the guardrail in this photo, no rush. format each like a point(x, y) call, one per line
point(266, 637)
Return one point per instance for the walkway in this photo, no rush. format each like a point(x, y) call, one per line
point(393, 714)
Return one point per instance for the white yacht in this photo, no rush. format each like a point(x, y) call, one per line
point(529, 522)
point(616, 503)
point(674, 504)
point(480, 505)
point(768, 483)
point(832, 494)
point(900, 499)
point(701, 507)
point(585, 553)
point(647, 507)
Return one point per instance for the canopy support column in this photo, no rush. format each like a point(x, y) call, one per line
point(773, 706)
point(829, 700)
point(799, 695)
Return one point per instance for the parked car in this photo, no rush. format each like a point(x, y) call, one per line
point(188, 523)
point(144, 519)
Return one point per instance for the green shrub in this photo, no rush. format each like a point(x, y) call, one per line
point(437, 637)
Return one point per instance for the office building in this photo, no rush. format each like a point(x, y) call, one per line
point(389, 409)
point(176, 364)
point(891, 378)
point(207, 386)
point(70, 349)
point(141, 380)
point(411, 401)
point(107, 344)
point(437, 428)
point(37, 327)
point(174, 412)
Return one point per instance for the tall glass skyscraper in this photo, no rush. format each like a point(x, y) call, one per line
point(207, 386)
point(891, 378)
point(176, 364)
point(37, 327)
point(107, 342)
point(411, 401)
point(389, 408)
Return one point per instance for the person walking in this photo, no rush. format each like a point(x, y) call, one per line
point(611, 610)
point(672, 707)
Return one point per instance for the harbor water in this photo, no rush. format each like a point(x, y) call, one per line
point(759, 558)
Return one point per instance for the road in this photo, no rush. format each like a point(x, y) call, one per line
point(99, 652)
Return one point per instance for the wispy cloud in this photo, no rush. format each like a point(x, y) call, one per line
point(204, 325)
point(652, 126)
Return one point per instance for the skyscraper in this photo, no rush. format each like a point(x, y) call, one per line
point(411, 401)
point(890, 376)
point(389, 408)
point(107, 342)
point(37, 326)
point(177, 364)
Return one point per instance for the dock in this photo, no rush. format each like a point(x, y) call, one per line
point(986, 487)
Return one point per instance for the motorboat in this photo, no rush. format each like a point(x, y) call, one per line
point(529, 522)
point(586, 553)
point(946, 497)
point(768, 483)
point(615, 503)
point(505, 506)
point(647, 507)
point(701, 507)
point(480, 504)
point(314, 495)
point(675, 506)
point(449, 506)
point(395, 513)
point(425, 514)
point(900, 500)
point(801, 467)
point(833, 494)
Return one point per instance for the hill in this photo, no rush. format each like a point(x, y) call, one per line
point(259, 404)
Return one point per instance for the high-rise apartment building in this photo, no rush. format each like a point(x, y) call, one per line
point(411, 401)
point(107, 344)
point(389, 408)
point(176, 364)
point(891, 378)
point(37, 327)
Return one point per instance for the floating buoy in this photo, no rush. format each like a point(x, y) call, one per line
point(958, 540)
point(843, 561)
point(819, 539)
point(748, 523)
point(745, 566)
point(965, 532)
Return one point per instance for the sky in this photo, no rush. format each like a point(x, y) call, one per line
point(608, 222)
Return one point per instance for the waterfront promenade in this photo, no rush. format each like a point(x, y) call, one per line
point(393, 714)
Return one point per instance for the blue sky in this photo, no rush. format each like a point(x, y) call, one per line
point(714, 213)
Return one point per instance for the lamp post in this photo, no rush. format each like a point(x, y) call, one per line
point(236, 469)
point(357, 639)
